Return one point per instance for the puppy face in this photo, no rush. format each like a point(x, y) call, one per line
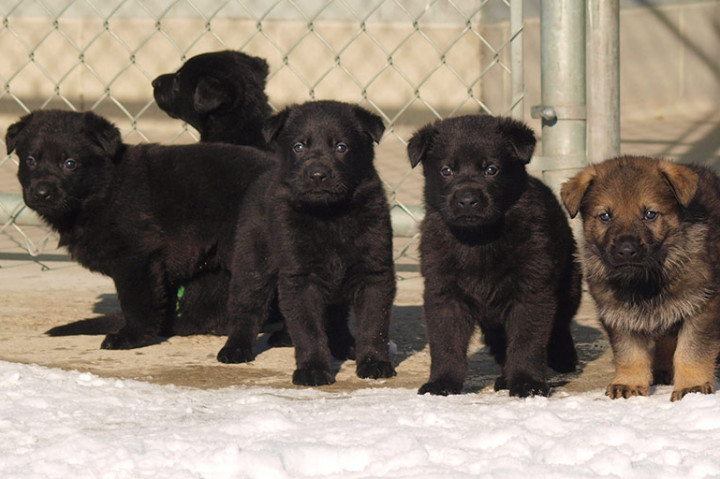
point(632, 212)
point(474, 167)
point(212, 82)
point(64, 158)
point(327, 149)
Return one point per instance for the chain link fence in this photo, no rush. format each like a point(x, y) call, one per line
point(410, 61)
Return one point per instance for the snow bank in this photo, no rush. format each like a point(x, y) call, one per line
point(57, 424)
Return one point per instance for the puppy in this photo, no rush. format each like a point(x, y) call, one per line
point(319, 234)
point(221, 94)
point(496, 250)
point(150, 217)
point(652, 263)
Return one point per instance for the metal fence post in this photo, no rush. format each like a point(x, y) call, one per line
point(563, 110)
point(516, 55)
point(603, 24)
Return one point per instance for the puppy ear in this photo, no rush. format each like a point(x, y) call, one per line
point(682, 180)
point(371, 123)
point(573, 191)
point(274, 124)
point(210, 94)
point(260, 67)
point(520, 137)
point(14, 133)
point(420, 143)
point(104, 133)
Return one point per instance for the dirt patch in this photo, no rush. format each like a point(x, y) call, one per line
point(33, 301)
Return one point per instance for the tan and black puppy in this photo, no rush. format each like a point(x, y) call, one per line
point(497, 252)
point(652, 262)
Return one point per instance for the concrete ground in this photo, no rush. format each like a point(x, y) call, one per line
point(48, 291)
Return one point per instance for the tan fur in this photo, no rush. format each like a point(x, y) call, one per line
point(683, 252)
point(633, 372)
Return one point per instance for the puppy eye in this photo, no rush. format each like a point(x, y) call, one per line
point(446, 171)
point(31, 162)
point(605, 217)
point(298, 147)
point(491, 170)
point(341, 148)
point(650, 215)
point(70, 164)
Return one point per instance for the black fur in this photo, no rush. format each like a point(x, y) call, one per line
point(496, 251)
point(319, 234)
point(221, 94)
point(151, 217)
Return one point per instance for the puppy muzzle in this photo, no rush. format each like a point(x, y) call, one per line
point(627, 250)
point(467, 204)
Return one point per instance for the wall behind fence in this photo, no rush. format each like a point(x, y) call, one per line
point(409, 61)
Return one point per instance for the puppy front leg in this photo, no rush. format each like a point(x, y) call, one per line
point(449, 328)
point(303, 306)
point(698, 345)
point(528, 330)
point(373, 309)
point(143, 300)
point(633, 364)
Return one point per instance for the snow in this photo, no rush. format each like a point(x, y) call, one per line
point(60, 424)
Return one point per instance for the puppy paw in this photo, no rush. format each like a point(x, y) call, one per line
point(280, 339)
point(440, 388)
point(564, 364)
point(312, 377)
point(617, 391)
point(375, 369)
point(706, 388)
point(342, 350)
point(231, 355)
point(528, 387)
point(125, 341)
point(500, 383)
point(662, 376)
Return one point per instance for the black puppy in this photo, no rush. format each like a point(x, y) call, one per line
point(496, 250)
point(150, 217)
point(319, 234)
point(221, 94)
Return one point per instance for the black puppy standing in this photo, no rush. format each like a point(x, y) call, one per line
point(319, 234)
point(497, 251)
point(151, 217)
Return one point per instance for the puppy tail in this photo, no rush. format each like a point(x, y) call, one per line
point(106, 324)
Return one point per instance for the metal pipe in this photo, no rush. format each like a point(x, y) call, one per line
point(13, 209)
point(516, 59)
point(603, 26)
point(406, 219)
point(563, 111)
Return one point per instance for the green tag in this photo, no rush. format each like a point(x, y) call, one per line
point(180, 294)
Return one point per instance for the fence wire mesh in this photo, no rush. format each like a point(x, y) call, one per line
point(409, 61)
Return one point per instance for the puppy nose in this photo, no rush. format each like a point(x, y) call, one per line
point(42, 191)
point(467, 199)
point(317, 174)
point(628, 249)
point(156, 83)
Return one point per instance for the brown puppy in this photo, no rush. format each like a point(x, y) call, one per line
point(652, 262)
